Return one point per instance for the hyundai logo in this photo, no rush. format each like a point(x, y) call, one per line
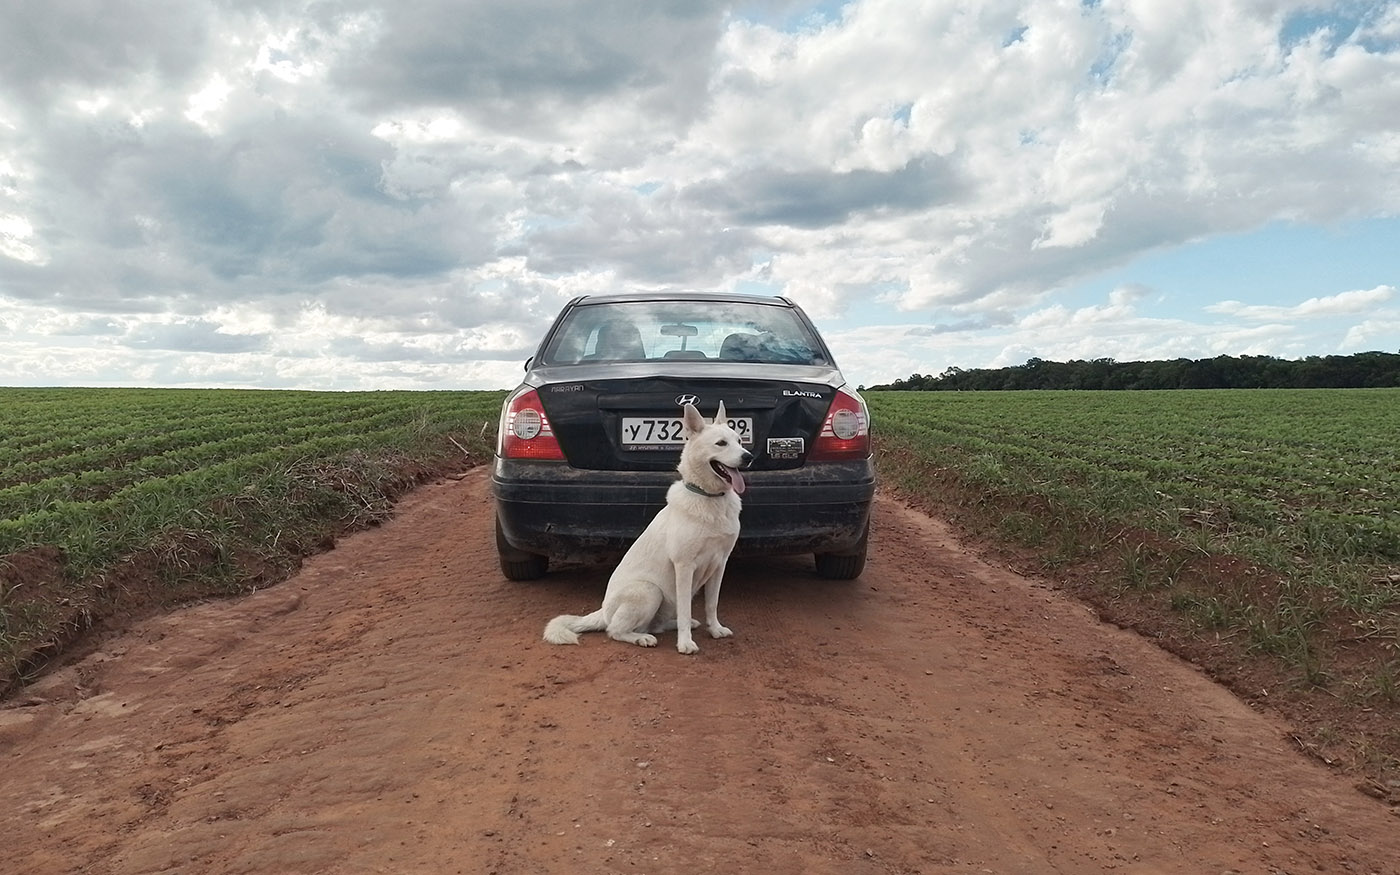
point(682, 400)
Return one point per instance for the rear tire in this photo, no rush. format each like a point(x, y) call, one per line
point(518, 564)
point(844, 566)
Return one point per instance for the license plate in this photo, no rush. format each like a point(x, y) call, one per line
point(667, 433)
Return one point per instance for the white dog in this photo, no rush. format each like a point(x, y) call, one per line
point(684, 548)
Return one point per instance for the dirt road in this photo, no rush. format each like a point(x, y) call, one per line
point(393, 709)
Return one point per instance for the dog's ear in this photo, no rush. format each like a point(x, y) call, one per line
point(720, 418)
point(692, 420)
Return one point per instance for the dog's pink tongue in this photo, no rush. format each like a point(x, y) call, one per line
point(736, 481)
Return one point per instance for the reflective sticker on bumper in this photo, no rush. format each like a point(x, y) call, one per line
point(785, 448)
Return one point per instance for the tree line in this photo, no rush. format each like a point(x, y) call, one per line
point(1360, 370)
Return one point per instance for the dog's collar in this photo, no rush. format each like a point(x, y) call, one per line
point(696, 489)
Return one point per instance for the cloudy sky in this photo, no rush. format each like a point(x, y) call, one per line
point(346, 194)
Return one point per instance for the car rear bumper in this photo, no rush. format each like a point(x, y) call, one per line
point(562, 512)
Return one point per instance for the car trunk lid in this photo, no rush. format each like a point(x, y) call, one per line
point(619, 423)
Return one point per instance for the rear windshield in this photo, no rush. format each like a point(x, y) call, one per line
point(637, 331)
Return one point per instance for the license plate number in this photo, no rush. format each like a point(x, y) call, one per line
point(667, 433)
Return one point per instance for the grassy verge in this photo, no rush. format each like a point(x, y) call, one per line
point(101, 523)
point(1277, 576)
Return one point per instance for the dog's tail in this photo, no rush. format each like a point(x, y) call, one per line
point(564, 629)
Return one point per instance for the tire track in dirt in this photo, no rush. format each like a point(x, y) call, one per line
point(392, 709)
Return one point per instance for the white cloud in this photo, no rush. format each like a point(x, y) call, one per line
point(15, 235)
point(1074, 227)
point(1362, 336)
point(1344, 303)
point(433, 179)
point(207, 101)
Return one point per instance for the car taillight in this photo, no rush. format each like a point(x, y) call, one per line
point(525, 430)
point(846, 432)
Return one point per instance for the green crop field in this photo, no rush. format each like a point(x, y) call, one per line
point(206, 490)
point(1302, 479)
point(1257, 531)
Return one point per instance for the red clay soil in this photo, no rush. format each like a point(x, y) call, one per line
point(393, 709)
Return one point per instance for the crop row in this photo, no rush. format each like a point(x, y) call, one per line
point(34, 426)
point(99, 472)
point(1301, 472)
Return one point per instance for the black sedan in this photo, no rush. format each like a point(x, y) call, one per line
point(590, 440)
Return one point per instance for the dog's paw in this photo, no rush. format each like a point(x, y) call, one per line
point(718, 631)
point(645, 641)
point(687, 647)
